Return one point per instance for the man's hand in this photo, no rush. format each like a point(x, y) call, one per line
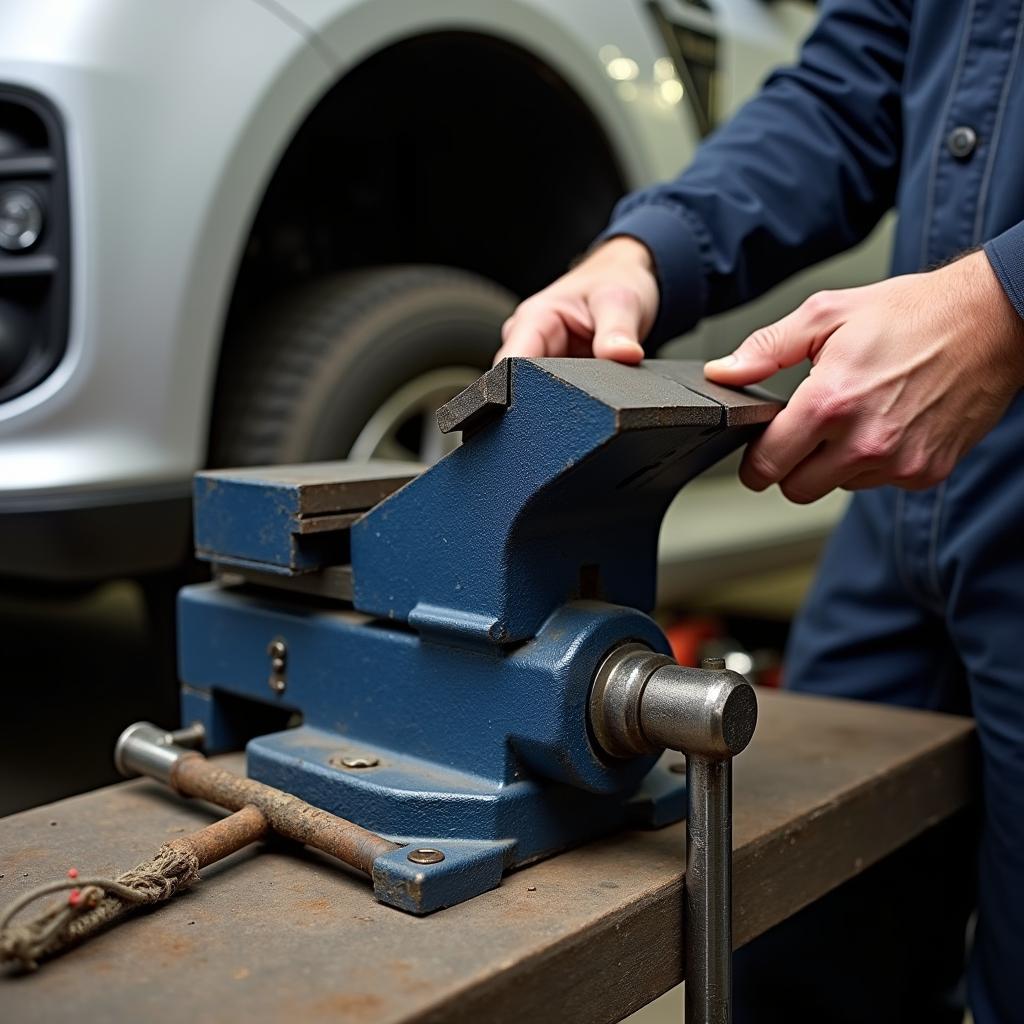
point(908, 375)
point(604, 307)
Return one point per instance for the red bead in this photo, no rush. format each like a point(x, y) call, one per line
point(72, 872)
point(73, 897)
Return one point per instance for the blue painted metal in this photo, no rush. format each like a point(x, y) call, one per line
point(463, 671)
point(288, 520)
point(565, 482)
point(273, 545)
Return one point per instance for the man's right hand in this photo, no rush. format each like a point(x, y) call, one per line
point(604, 307)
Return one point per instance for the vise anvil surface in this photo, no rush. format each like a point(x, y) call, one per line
point(440, 644)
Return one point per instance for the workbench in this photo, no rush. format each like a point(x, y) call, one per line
point(278, 933)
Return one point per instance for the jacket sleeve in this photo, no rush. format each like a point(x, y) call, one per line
point(1006, 254)
point(804, 170)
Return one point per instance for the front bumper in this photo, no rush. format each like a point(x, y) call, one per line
point(126, 531)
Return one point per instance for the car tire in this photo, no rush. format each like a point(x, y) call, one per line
point(330, 370)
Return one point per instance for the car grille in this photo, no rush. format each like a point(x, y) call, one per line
point(34, 240)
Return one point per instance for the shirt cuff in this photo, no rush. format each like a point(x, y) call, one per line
point(1006, 254)
point(678, 251)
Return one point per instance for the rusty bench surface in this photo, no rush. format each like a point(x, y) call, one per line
point(280, 934)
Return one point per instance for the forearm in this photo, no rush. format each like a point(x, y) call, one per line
point(803, 171)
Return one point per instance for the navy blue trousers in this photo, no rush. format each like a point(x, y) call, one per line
point(919, 601)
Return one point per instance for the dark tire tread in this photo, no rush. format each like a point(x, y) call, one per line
point(270, 363)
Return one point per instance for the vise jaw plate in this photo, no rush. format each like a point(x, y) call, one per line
point(287, 520)
point(658, 393)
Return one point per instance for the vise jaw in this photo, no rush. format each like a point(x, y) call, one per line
point(560, 494)
point(439, 631)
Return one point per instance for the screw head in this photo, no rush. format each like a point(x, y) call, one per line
point(278, 651)
point(425, 855)
point(354, 762)
point(712, 664)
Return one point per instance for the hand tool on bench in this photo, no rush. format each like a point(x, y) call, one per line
point(468, 649)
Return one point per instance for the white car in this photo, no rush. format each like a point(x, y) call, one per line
point(248, 231)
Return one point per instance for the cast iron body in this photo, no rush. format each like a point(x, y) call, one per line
point(440, 644)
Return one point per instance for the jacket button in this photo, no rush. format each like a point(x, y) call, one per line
point(962, 141)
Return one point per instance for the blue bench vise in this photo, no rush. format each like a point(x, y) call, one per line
point(465, 651)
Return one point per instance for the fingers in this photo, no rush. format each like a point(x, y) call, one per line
point(839, 448)
point(793, 435)
point(786, 342)
point(533, 331)
point(823, 471)
point(617, 319)
point(907, 471)
point(602, 307)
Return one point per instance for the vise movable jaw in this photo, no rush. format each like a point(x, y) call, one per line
point(468, 646)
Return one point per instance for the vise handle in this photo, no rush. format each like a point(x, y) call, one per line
point(642, 702)
point(143, 749)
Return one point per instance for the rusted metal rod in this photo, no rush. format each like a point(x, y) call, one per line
point(257, 809)
point(222, 838)
point(287, 815)
point(146, 750)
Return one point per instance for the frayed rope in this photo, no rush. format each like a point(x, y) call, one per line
point(92, 904)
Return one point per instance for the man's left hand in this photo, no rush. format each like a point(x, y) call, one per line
point(907, 376)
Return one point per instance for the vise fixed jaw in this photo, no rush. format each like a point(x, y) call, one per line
point(558, 491)
point(441, 637)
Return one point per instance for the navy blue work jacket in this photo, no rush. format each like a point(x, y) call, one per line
point(917, 104)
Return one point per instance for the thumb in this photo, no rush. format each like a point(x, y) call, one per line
point(784, 343)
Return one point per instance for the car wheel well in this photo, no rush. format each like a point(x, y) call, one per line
point(452, 148)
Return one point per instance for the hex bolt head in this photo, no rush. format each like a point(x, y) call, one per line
point(354, 762)
point(712, 664)
point(425, 855)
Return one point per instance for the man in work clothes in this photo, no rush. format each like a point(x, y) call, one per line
point(913, 402)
